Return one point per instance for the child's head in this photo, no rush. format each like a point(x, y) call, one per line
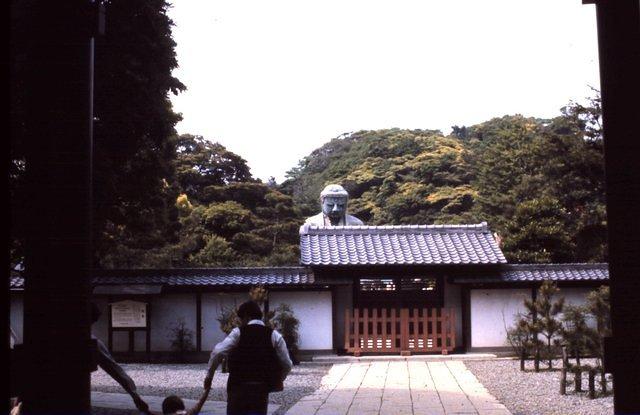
point(173, 405)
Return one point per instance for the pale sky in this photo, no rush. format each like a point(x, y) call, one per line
point(272, 80)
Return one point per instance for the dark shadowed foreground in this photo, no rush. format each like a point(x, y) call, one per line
point(186, 381)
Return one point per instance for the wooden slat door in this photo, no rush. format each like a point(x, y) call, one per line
point(409, 331)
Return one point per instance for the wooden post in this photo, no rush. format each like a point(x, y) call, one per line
point(356, 331)
point(578, 378)
point(148, 342)
point(523, 356)
point(110, 327)
point(374, 327)
point(404, 332)
point(592, 384)
point(452, 327)
point(347, 329)
point(444, 334)
point(365, 328)
point(385, 333)
point(394, 333)
point(563, 381)
point(199, 321)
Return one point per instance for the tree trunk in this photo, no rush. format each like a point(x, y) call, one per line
point(603, 382)
point(578, 379)
point(592, 384)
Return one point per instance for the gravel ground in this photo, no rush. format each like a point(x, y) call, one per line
point(530, 393)
point(185, 380)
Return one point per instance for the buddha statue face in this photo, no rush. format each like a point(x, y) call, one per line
point(335, 208)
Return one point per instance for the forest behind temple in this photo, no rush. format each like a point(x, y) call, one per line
point(166, 200)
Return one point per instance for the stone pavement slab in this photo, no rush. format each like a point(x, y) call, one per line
point(399, 387)
point(123, 401)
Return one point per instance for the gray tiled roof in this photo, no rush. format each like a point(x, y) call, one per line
point(209, 276)
point(543, 272)
point(279, 276)
point(403, 244)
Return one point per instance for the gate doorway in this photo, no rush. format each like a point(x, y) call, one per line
point(404, 331)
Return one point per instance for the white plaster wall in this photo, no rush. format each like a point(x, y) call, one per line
point(165, 311)
point(453, 301)
point(314, 310)
point(16, 315)
point(491, 311)
point(575, 295)
point(212, 304)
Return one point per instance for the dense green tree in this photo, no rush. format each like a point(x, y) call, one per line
point(134, 189)
point(393, 176)
point(201, 163)
point(539, 232)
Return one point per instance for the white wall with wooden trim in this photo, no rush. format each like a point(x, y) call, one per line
point(212, 306)
point(314, 310)
point(495, 310)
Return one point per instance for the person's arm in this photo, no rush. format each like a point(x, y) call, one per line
point(109, 365)
point(283, 354)
point(203, 398)
point(221, 350)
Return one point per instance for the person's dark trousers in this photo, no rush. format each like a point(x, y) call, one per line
point(247, 399)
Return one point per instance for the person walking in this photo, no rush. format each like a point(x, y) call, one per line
point(258, 362)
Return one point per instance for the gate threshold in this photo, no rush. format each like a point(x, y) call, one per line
point(385, 358)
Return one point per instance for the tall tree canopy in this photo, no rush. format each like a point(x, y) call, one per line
point(203, 163)
point(133, 127)
point(134, 189)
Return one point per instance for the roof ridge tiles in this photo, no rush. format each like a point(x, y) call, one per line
point(381, 229)
point(557, 266)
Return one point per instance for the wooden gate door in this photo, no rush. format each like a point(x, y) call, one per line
point(388, 330)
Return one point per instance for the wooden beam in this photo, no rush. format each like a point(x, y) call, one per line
point(198, 321)
point(619, 56)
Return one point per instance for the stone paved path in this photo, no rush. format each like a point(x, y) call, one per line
point(399, 388)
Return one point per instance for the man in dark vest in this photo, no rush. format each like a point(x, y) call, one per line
point(258, 363)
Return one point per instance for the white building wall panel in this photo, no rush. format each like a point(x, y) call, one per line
point(492, 311)
point(212, 305)
point(314, 310)
point(166, 311)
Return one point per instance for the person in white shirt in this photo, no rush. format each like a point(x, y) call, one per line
point(258, 362)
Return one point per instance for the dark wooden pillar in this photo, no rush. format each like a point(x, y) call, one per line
point(198, 321)
point(59, 85)
point(619, 52)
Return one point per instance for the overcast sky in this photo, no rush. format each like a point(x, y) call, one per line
point(273, 80)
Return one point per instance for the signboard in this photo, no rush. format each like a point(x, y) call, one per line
point(128, 314)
